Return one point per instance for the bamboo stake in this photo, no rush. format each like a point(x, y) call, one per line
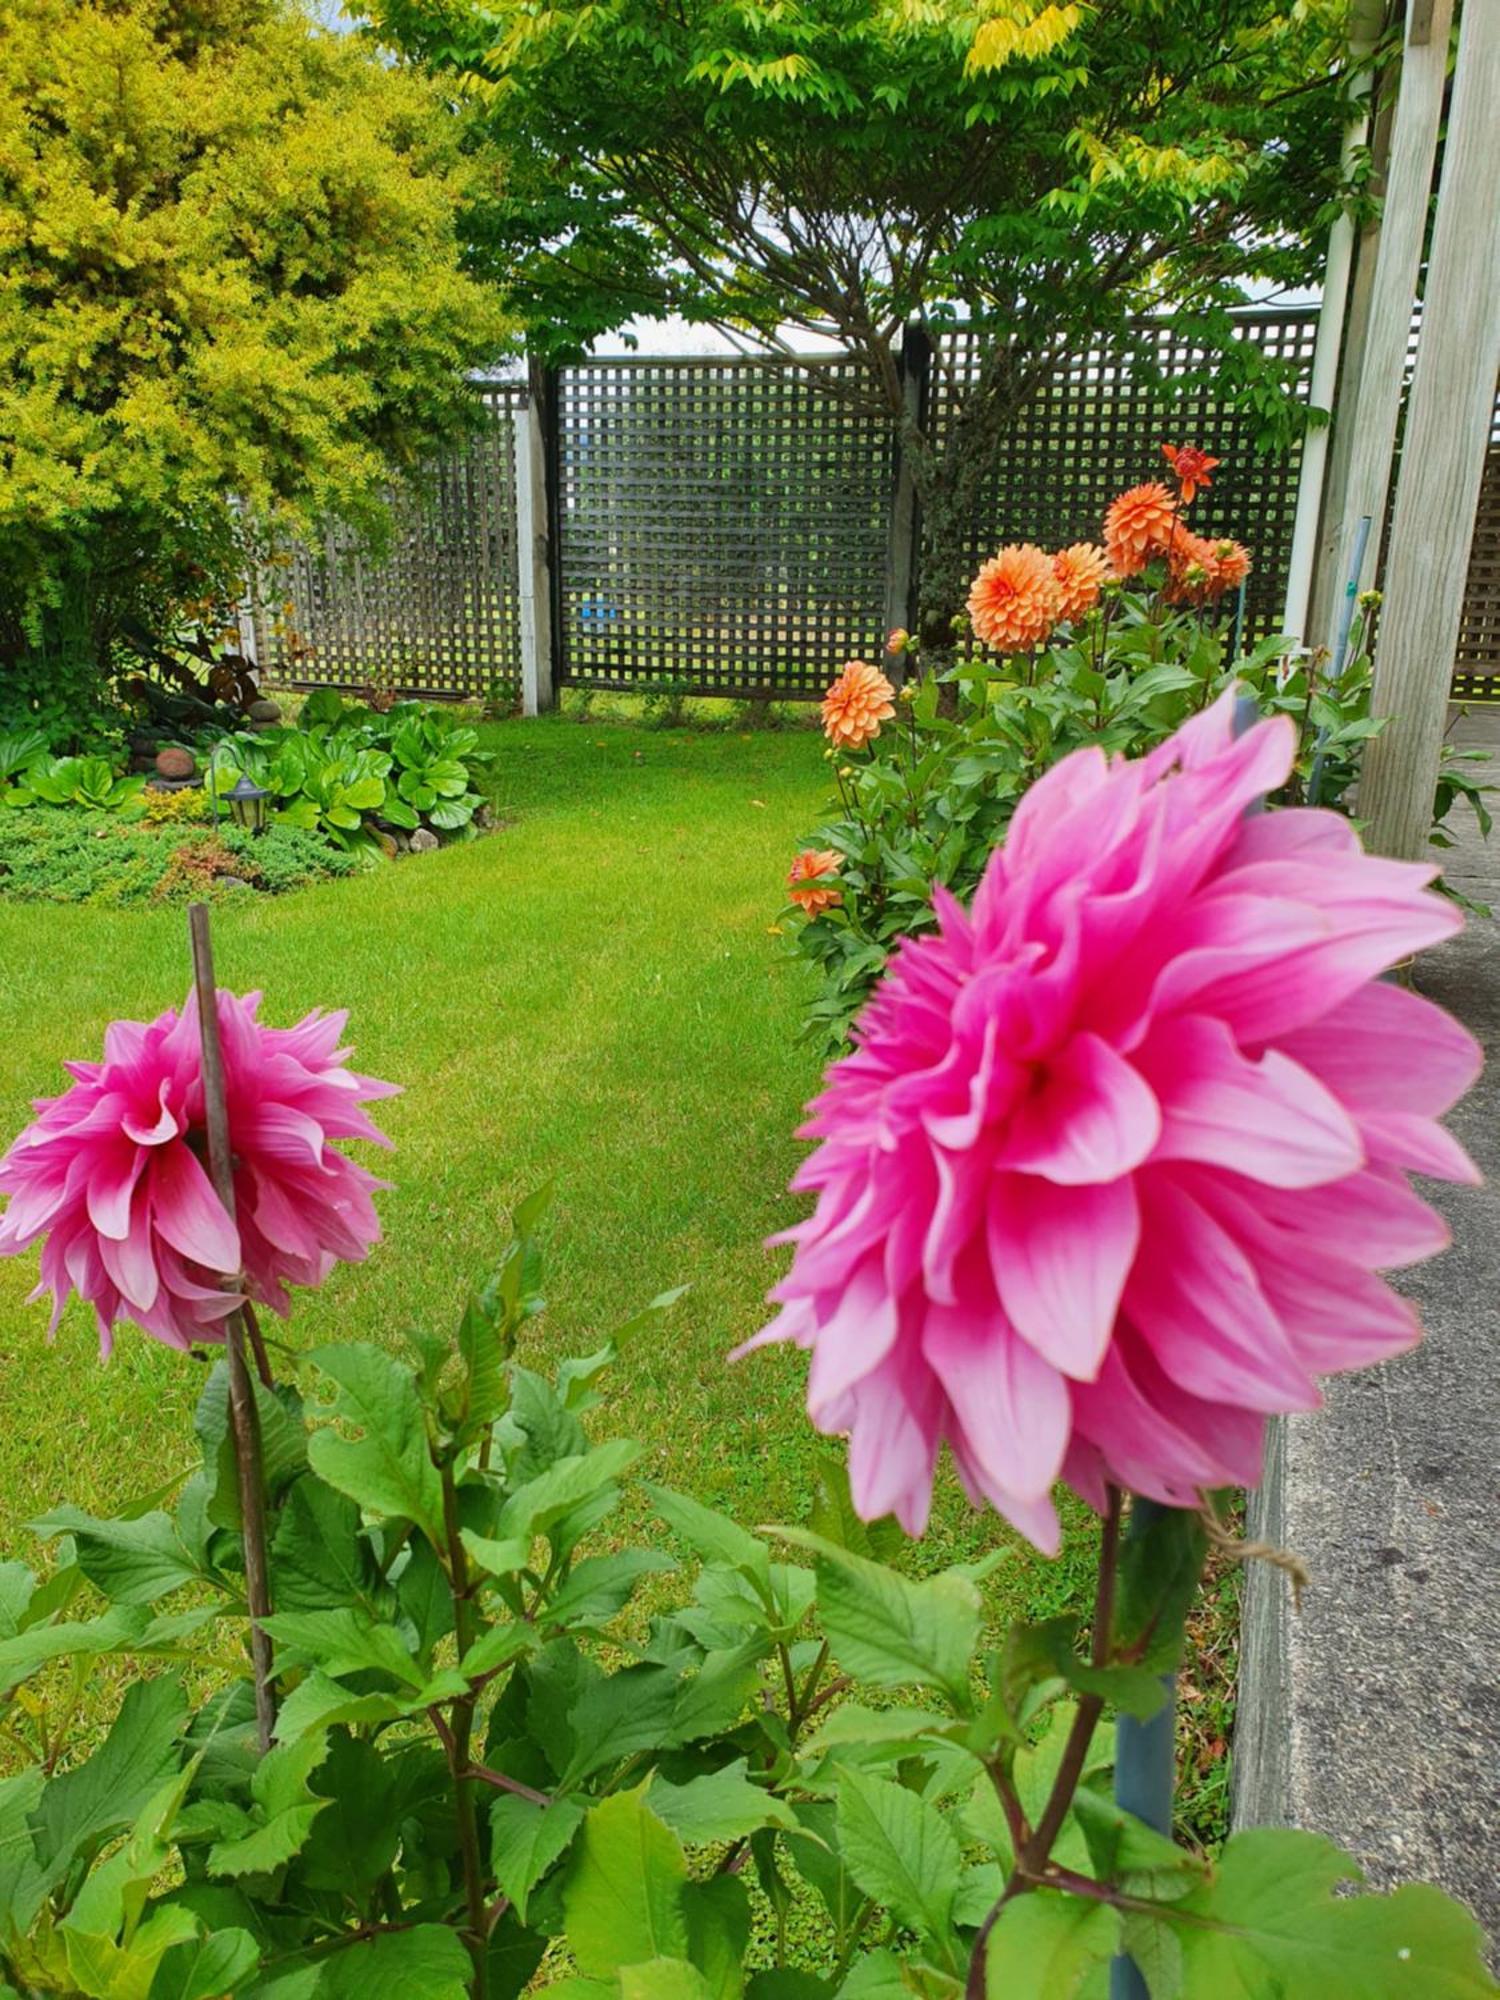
point(244, 1417)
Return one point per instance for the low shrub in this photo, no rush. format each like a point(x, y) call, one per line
point(96, 857)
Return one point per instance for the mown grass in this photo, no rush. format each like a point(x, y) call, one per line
point(591, 996)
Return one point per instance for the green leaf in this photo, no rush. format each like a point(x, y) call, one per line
point(425, 1963)
point(1161, 1559)
point(892, 1632)
point(901, 1851)
point(1050, 1946)
point(319, 1556)
point(205, 1968)
point(877, 1977)
point(317, 1703)
point(354, 1839)
point(623, 1899)
point(598, 1589)
point(1270, 1921)
point(496, 1558)
point(117, 1630)
point(86, 1806)
point(718, 1921)
point(513, 1956)
point(285, 1809)
point(23, 1883)
point(786, 1985)
point(526, 1840)
point(283, 1441)
point(388, 1469)
point(715, 1536)
point(1134, 1856)
point(722, 1805)
point(131, 1562)
point(664, 1979)
point(345, 1640)
point(542, 1503)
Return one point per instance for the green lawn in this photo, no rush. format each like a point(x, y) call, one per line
point(593, 996)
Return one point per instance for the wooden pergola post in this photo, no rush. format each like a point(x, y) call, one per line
point(1443, 454)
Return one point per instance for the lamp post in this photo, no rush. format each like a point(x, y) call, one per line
point(247, 804)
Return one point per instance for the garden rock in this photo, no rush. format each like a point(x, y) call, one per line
point(175, 763)
point(264, 713)
point(424, 840)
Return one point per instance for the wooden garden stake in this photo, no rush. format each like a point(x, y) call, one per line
point(244, 1417)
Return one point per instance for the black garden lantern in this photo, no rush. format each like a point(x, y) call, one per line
point(247, 804)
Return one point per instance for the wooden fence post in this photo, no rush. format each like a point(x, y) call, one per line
point(903, 543)
point(1374, 395)
point(1442, 459)
point(535, 553)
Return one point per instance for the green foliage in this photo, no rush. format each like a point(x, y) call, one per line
point(239, 231)
point(340, 768)
point(928, 801)
point(1042, 174)
point(86, 857)
point(454, 1646)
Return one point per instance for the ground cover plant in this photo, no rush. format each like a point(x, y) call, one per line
point(450, 1747)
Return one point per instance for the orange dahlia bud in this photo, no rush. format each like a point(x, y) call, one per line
point(899, 640)
point(1014, 602)
point(1231, 564)
point(856, 705)
point(1079, 571)
point(1192, 467)
point(1139, 526)
point(1192, 565)
point(812, 866)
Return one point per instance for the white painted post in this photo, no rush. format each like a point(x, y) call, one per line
point(533, 549)
point(1364, 28)
point(1376, 405)
point(904, 531)
point(1442, 457)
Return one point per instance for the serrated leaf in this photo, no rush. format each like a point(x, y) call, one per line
point(901, 1851)
point(115, 1631)
point(345, 1640)
point(623, 1900)
point(721, 1805)
point(526, 1840)
point(598, 1588)
point(354, 1840)
point(86, 1806)
point(205, 1968)
point(425, 1963)
point(1134, 1856)
point(542, 1503)
point(892, 1632)
point(319, 1556)
point(131, 1562)
point(1270, 1921)
point(664, 1979)
point(1049, 1946)
point(387, 1469)
point(23, 1882)
point(715, 1536)
point(318, 1703)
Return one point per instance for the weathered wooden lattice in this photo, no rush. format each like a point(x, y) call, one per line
point(722, 524)
point(1097, 427)
point(1477, 673)
point(440, 614)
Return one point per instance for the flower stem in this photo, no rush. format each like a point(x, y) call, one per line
point(457, 1740)
point(244, 1418)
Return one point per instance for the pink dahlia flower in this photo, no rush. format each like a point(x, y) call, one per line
point(111, 1173)
point(1111, 1170)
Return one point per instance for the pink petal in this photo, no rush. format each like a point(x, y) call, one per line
point(1010, 1405)
point(854, 1340)
point(1354, 1049)
point(187, 1212)
point(1418, 1146)
point(113, 1171)
point(1093, 1118)
point(1268, 1119)
point(893, 1422)
point(1060, 1257)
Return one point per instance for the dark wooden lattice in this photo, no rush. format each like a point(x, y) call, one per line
point(439, 616)
point(722, 524)
point(1097, 427)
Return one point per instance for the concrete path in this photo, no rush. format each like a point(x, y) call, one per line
point(1374, 1716)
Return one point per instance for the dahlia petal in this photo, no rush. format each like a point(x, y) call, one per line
point(1338, 1316)
point(894, 1433)
point(1418, 1146)
point(1268, 1119)
point(187, 1212)
point(1009, 1404)
point(1060, 1257)
point(129, 1262)
point(855, 1338)
point(1093, 1119)
point(147, 1131)
point(1373, 1217)
point(1354, 1049)
point(113, 1173)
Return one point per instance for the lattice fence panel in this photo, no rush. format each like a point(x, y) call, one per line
point(1097, 427)
point(439, 616)
point(722, 524)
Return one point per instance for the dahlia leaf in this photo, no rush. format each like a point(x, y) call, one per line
point(715, 1537)
point(1161, 1559)
point(320, 1557)
point(876, 1977)
point(1051, 1946)
point(526, 1840)
point(600, 1587)
point(1134, 1856)
point(544, 1504)
point(901, 1851)
point(718, 1921)
point(317, 1703)
point(892, 1632)
point(1271, 1918)
point(721, 1805)
point(131, 1562)
point(623, 1899)
point(387, 1469)
point(343, 1640)
point(355, 1840)
point(99, 1799)
point(425, 1963)
point(23, 1884)
point(664, 1979)
point(204, 1967)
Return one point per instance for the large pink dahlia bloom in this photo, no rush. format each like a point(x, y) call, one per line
point(111, 1173)
point(1119, 1151)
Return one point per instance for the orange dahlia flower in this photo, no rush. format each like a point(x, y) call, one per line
point(1079, 572)
point(856, 705)
point(1231, 564)
point(1203, 570)
point(814, 865)
point(1192, 467)
point(1137, 526)
point(1014, 602)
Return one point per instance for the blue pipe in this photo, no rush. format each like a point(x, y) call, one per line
point(1144, 1768)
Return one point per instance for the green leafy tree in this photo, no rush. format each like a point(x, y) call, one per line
point(231, 303)
point(844, 168)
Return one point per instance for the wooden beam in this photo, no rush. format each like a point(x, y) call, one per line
point(1375, 405)
point(1442, 458)
point(535, 554)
